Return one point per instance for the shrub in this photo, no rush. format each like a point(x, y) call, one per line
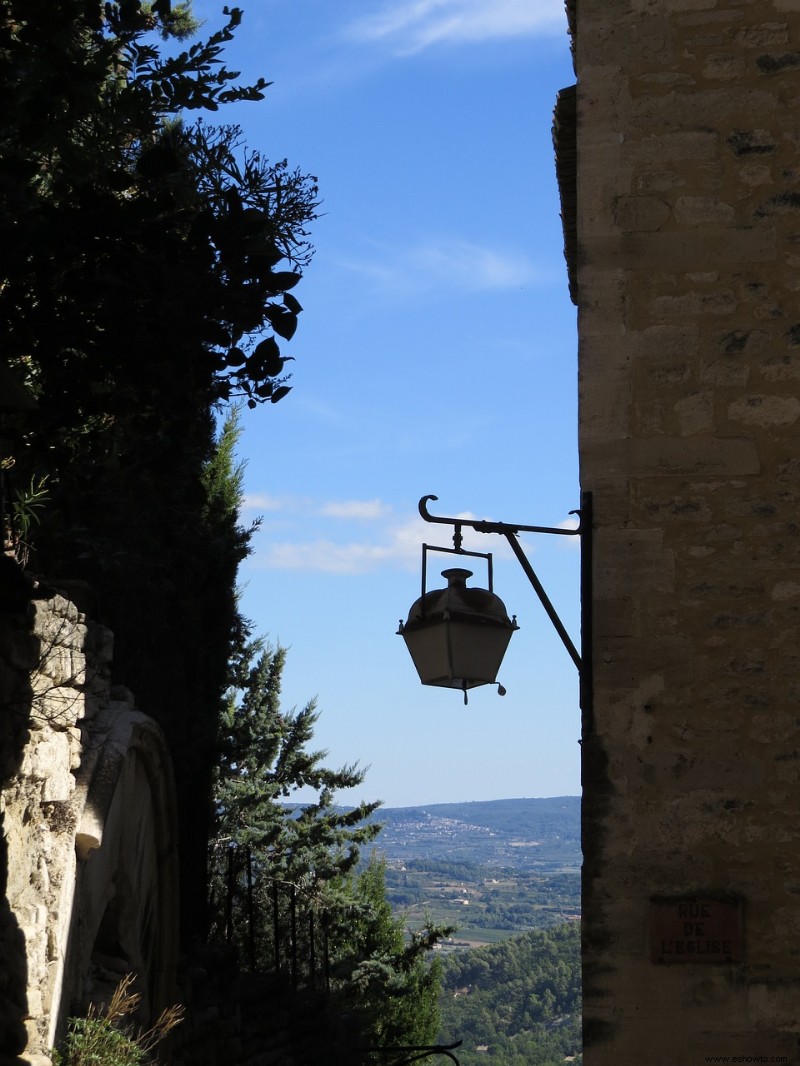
point(100, 1039)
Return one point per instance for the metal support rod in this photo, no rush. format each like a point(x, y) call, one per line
point(538, 588)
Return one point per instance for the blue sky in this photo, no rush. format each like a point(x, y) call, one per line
point(436, 354)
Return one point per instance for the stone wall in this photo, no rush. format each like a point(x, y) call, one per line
point(688, 220)
point(87, 852)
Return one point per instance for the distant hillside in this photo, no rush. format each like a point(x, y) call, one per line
point(555, 815)
point(512, 833)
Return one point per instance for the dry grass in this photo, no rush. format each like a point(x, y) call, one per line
point(103, 1039)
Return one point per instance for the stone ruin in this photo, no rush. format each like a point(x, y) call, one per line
point(88, 855)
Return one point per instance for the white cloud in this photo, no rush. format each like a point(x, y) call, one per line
point(410, 26)
point(392, 544)
point(361, 509)
point(448, 264)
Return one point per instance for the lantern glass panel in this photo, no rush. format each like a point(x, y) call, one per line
point(457, 654)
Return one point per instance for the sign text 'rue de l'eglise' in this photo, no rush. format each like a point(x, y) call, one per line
point(695, 929)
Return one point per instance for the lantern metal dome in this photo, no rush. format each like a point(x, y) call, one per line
point(457, 636)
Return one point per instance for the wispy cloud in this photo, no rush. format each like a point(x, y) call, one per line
point(360, 509)
point(411, 26)
point(446, 264)
point(392, 543)
point(261, 501)
point(323, 556)
point(471, 266)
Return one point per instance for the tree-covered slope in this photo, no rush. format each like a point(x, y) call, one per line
point(517, 1003)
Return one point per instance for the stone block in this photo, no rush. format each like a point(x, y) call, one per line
point(661, 372)
point(667, 508)
point(785, 590)
point(784, 367)
point(712, 109)
point(724, 67)
point(659, 181)
point(754, 174)
point(640, 213)
point(743, 341)
point(765, 410)
point(725, 374)
point(695, 413)
point(765, 35)
point(648, 564)
point(614, 617)
point(607, 411)
point(679, 146)
point(47, 760)
point(693, 304)
point(669, 456)
point(698, 210)
point(60, 707)
point(672, 250)
point(667, 340)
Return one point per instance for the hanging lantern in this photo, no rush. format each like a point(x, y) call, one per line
point(457, 636)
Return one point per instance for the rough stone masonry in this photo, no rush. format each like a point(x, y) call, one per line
point(687, 263)
point(88, 845)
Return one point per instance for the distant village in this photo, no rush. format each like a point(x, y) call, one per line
point(416, 833)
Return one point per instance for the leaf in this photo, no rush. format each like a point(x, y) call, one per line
point(285, 279)
point(235, 357)
point(265, 251)
point(292, 303)
point(268, 355)
point(282, 321)
point(279, 394)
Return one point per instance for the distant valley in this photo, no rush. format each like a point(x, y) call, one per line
point(494, 869)
point(506, 873)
